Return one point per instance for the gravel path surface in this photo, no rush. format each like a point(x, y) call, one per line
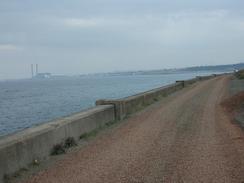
point(186, 137)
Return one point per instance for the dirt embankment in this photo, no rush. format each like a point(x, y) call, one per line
point(234, 103)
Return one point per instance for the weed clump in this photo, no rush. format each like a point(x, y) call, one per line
point(155, 99)
point(58, 149)
point(6, 178)
point(70, 142)
point(110, 123)
point(84, 136)
point(36, 162)
point(94, 132)
point(240, 74)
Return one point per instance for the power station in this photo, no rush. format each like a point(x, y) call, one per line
point(32, 71)
point(38, 75)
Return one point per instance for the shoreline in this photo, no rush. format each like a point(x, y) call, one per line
point(26, 104)
point(22, 148)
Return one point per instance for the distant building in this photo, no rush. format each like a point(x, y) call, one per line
point(43, 75)
point(37, 75)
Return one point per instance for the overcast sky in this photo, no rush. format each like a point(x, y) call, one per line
point(88, 36)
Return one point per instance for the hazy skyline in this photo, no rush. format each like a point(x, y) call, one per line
point(89, 36)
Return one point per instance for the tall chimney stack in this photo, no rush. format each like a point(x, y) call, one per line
point(36, 69)
point(32, 71)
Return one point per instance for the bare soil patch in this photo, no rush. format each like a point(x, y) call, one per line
point(234, 103)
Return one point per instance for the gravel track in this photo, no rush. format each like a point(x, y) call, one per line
point(186, 137)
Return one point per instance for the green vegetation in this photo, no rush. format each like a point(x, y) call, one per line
point(35, 162)
point(7, 178)
point(94, 132)
point(155, 99)
point(240, 74)
point(61, 148)
point(58, 149)
point(84, 136)
point(70, 142)
point(90, 134)
point(110, 123)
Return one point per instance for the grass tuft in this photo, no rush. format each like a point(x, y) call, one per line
point(6, 178)
point(70, 142)
point(58, 149)
point(84, 136)
point(155, 99)
point(36, 162)
point(240, 74)
point(94, 132)
point(90, 134)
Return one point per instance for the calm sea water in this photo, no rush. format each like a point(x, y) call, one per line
point(26, 103)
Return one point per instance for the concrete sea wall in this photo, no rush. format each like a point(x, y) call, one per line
point(21, 149)
point(131, 104)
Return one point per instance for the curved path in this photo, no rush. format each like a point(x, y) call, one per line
point(186, 137)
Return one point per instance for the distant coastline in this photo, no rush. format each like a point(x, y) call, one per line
point(214, 68)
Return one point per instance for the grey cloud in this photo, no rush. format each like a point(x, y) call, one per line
point(106, 35)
